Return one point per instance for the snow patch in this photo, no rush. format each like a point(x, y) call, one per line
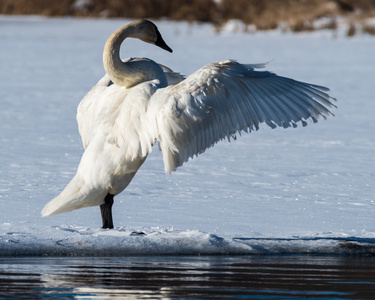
point(81, 241)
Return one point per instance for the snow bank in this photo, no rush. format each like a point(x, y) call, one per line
point(67, 240)
point(79, 241)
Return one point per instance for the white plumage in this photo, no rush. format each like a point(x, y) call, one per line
point(140, 102)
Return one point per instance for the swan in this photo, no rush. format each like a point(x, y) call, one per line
point(139, 102)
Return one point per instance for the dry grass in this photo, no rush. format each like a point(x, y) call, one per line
point(296, 15)
point(36, 7)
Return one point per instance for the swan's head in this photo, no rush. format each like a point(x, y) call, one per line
point(133, 72)
point(147, 31)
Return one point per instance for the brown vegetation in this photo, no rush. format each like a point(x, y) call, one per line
point(297, 15)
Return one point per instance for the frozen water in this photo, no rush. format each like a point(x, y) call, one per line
point(314, 185)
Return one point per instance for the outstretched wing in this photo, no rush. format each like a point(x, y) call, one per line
point(224, 98)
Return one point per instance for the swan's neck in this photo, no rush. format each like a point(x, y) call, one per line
point(129, 73)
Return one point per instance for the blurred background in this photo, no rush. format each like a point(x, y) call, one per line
point(291, 15)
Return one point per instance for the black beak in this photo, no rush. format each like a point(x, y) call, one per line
point(160, 42)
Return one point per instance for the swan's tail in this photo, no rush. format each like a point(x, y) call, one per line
point(76, 195)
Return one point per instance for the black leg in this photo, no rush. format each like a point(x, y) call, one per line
point(106, 210)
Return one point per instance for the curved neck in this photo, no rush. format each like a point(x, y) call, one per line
point(130, 73)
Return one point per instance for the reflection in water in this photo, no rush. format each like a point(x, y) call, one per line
point(214, 277)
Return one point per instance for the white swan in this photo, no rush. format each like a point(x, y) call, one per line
point(139, 102)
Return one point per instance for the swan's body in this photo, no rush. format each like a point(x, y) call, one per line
point(140, 102)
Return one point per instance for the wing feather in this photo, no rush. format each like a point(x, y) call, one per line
point(282, 114)
point(296, 101)
point(226, 98)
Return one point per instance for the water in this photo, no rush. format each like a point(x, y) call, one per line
point(198, 277)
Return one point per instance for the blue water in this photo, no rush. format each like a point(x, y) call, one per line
point(198, 277)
